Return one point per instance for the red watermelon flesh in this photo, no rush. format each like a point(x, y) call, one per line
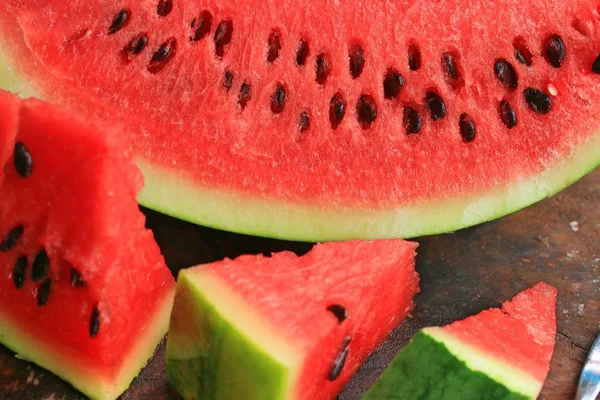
point(84, 290)
point(273, 327)
point(235, 108)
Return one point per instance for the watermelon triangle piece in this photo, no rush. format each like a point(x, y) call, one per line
point(497, 354)
point(84, 290)
point(286, 326)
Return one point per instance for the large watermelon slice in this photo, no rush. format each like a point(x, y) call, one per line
point(84, 290)
point(287, 327)
point(499, 354)
point(327, 120)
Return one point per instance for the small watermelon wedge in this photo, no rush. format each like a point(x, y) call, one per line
point(498, 354)
point(84, 290)
point(287, 327)
point(323, 120)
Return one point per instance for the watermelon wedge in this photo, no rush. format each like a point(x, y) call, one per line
point(84, 290)
point(326, 120)
point(496, 354)
point(287, 327)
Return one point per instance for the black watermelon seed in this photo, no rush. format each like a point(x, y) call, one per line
point(274, 45)
point(164, 7)
point(337, 110)
point(506, 73)
point(538, 101)
point(414, 58)
point(43, 292)
point(245, 95)
point(392, 84)
point(449, 64)
point(339, 311)
point(201, 26)
point(467, 128)
point(278, 99)
point(508, 114)
point(366, 109)
point(41, 265)
point(165, 52)
point(436, 105)
point(411, 120)
point(323, 69)
point(304, 121)
point(555, 51)
point(596, 66)
point(302, 53)
point(340, 361)
point(11, 238)
point(76, 278)
point(19, 272)
point(95, 322)
point(522, 53)
point(228, 80)
point(23, 160)
point(357, 60)
point(119, 21)
point(137, 44)
point(223, 35)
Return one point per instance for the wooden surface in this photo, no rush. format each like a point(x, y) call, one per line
point(557, 241)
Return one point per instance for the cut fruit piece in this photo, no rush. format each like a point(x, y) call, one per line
point(287, 327)
point(301, 124)
point(84, 290)
point(496, 354)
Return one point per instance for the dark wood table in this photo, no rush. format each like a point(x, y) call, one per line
point(557, 240)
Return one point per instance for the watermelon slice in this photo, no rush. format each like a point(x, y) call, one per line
point(287, 327)
point(84, 290)
point(326, 120)
point(496, 354)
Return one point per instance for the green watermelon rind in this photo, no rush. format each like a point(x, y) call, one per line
point(218, 347)
point(81, 376)
point(171, 194)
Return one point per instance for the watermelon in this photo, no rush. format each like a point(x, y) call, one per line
point(296, 121)
point(287, 327)
point(499, 354)
point(84, 290)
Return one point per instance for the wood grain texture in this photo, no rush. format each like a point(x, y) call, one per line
point(557, 240)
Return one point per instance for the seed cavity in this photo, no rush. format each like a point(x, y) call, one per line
point(436, 105)
point(340, 361)
point(136, 45)
point(23, 160)
point(450, 66)
point(538, 101)
point(95, 322)
point(274, 45)
point(392, 84)
point(555, 51)
point(278, 99)
point(76, 278)
point(366, 109)
point(522, 53)
point(201, 26)
point(161, 57)
point(585, 28)
point(19, 272)
point(303, 121)
point(164, 7)
point(339, 311)
point(411, 121)
point(467, 128)
point(119, 21)
point(245, 95)
point(11, 238)
point(323, 68)
point(414, 57)
point(223, 35)
point(357, 60)
point(506, 73)
point(43, 293)
point(41, 265)
point(337, 110)
point(302, 53)
point(228, 80)
point(596, 65)
point(508, 114)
